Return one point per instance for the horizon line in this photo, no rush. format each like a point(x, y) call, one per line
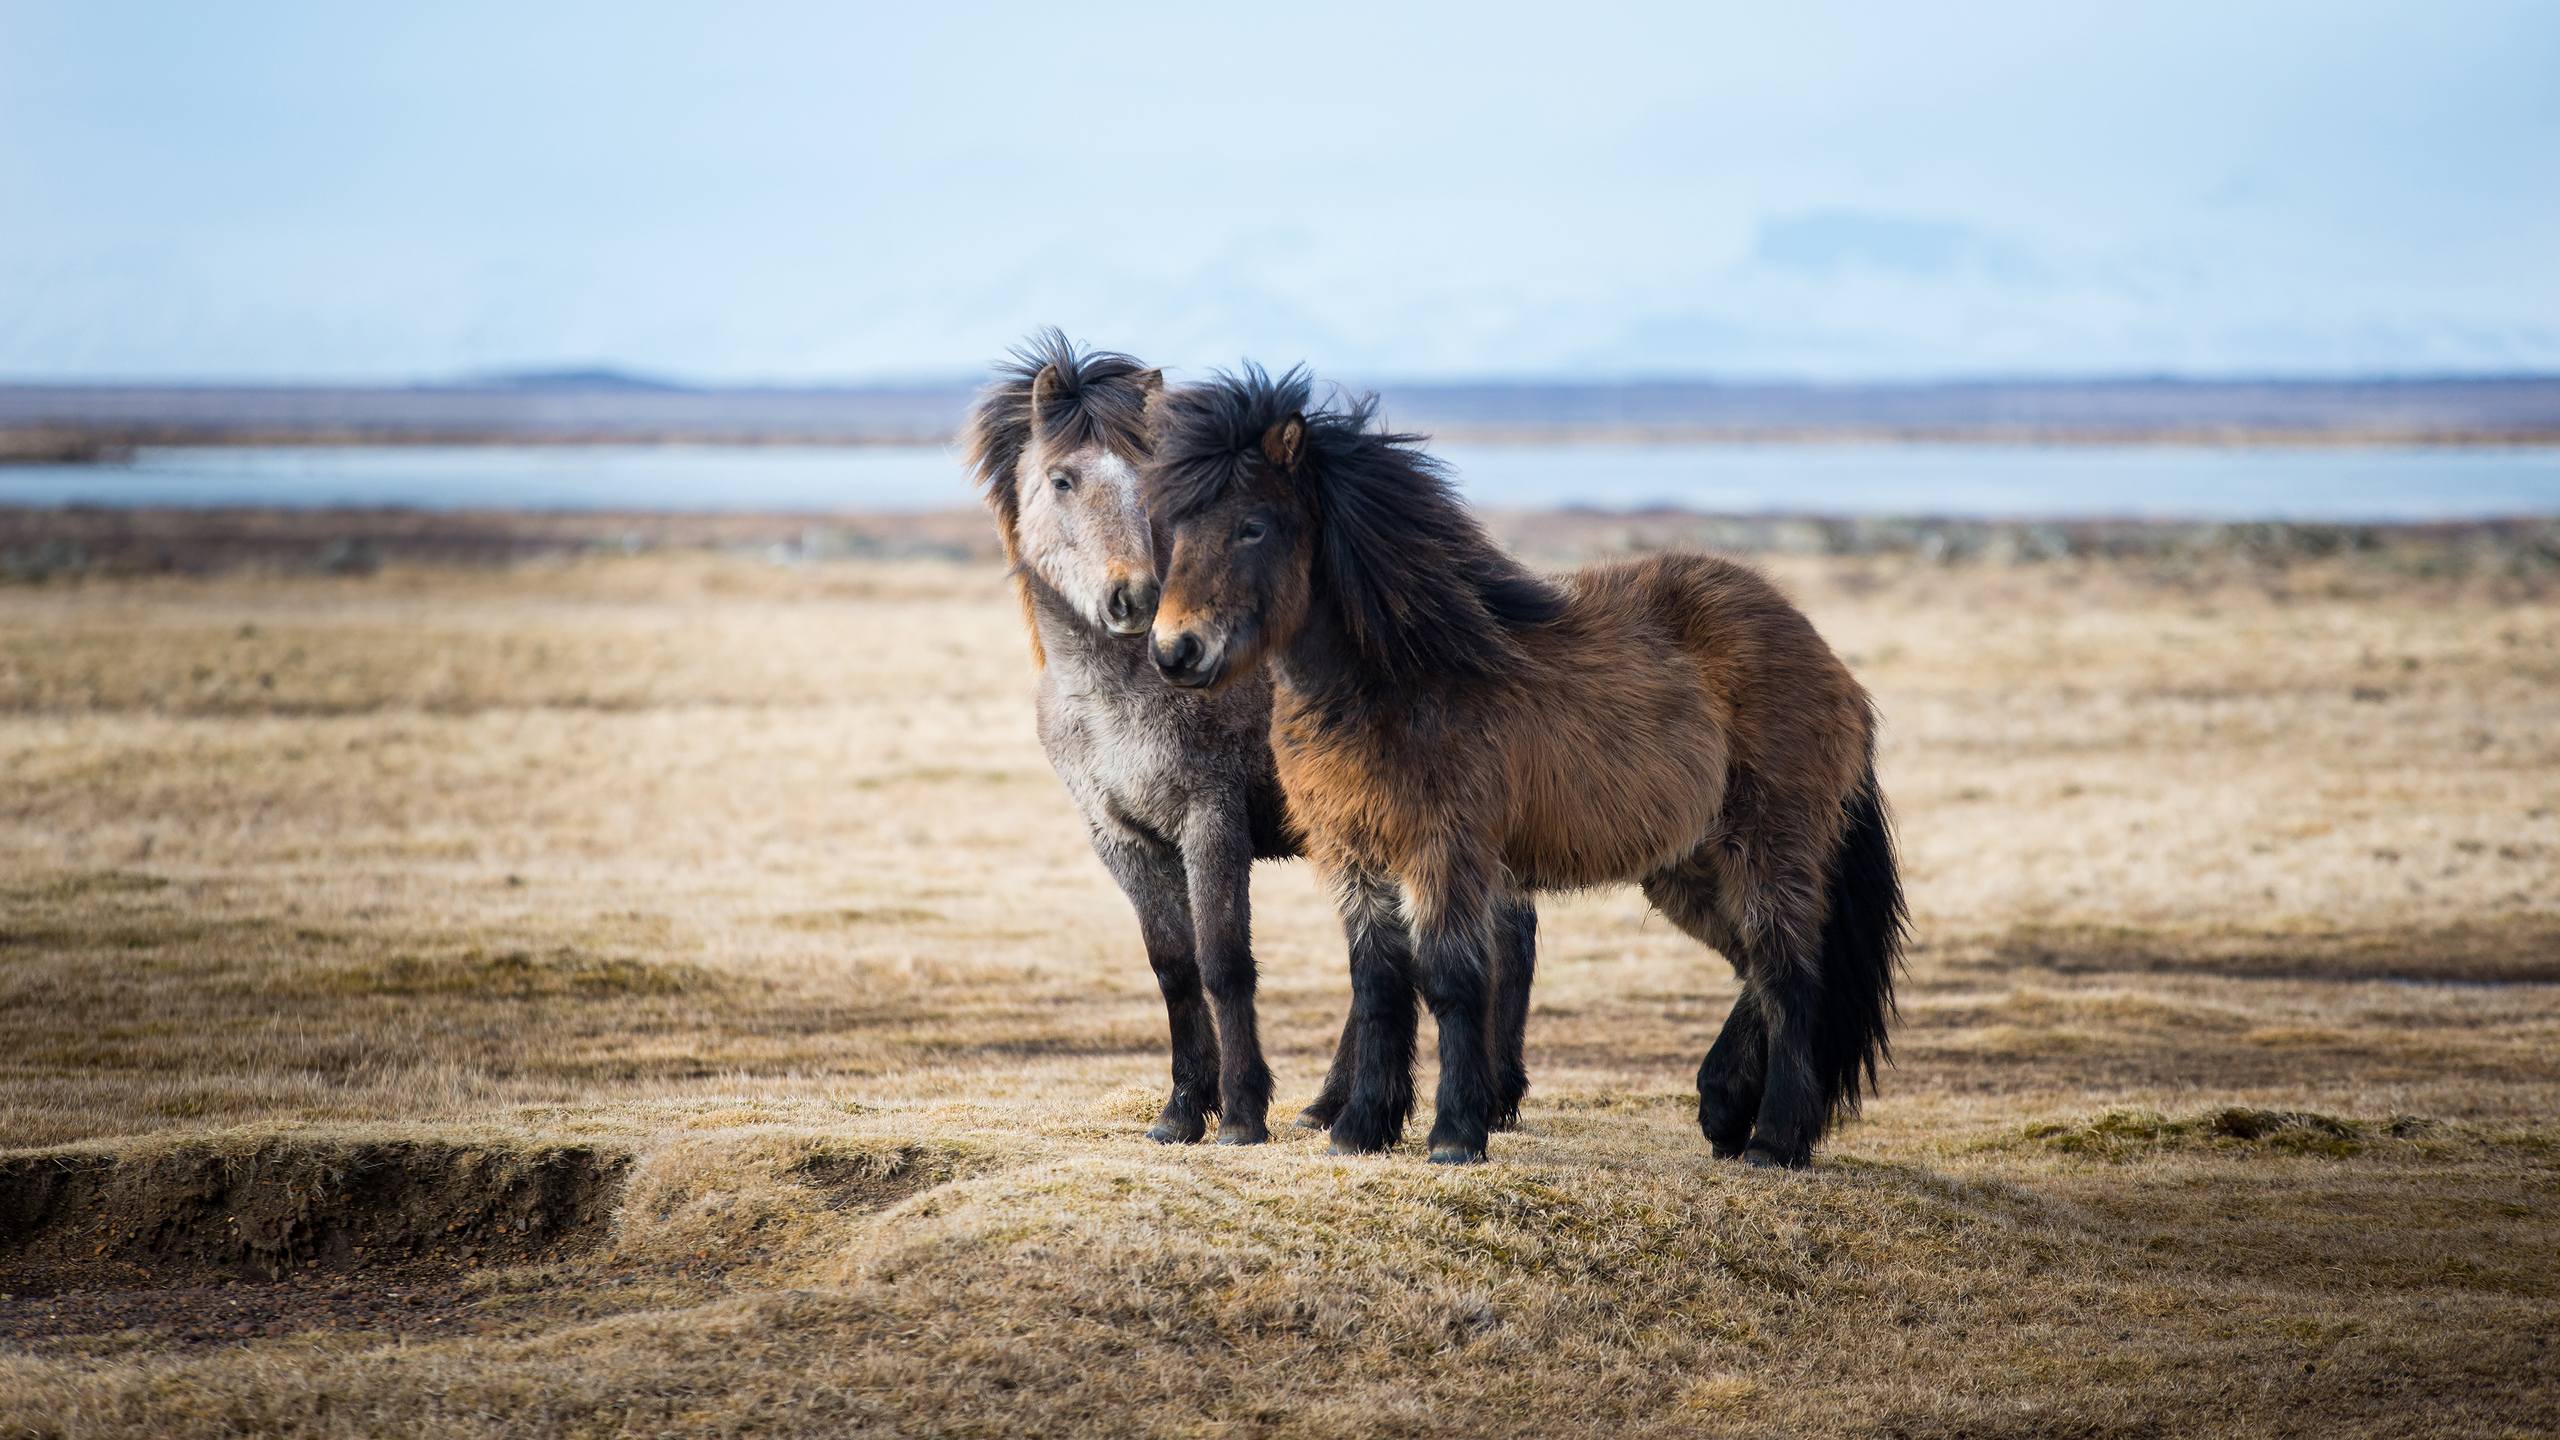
point(615, 379)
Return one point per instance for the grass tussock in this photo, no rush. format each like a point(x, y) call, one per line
point(606, 997)
point(2123, 1134)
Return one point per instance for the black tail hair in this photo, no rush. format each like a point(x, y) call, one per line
point(1861, 949)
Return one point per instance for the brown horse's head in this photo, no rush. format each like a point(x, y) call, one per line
point(1275, 516)
point(1057, 442)
point(1239, 528)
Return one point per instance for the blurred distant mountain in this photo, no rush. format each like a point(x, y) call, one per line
point(612, 406)
point(595, 380)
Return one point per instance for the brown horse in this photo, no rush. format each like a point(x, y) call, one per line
point(1454, 732)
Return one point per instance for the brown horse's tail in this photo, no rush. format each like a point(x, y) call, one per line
point(1861, 949)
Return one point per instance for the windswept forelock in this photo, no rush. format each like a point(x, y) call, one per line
point(1092, 397)
point(1207, 434)
point(1403, 564)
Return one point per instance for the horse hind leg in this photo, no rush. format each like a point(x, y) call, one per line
point(1515, 960)
point(1810, 1014)
point(1824, 941)
point(1734, 1076)
point(1794, 1106)
point(1733, 1079)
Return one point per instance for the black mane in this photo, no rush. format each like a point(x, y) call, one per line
point(1099, 397)
point(1417, 584)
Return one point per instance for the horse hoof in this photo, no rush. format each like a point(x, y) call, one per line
point(1242, 1135)
point(1764, 1157)
point(1453, 1154)
point(1726, 1121)
point(1313, 1119)
point(1725, 1141)
point(1355, 1133)
point(1175, 1132)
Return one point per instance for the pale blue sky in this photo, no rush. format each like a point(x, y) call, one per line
point(820, 191)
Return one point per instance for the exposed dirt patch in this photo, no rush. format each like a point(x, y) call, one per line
point(74, 1220)
point(198, 1316)
point(197, 1247)
point(874, 1180)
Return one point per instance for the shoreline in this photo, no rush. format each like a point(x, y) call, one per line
point(111, 445)
point(72, 543)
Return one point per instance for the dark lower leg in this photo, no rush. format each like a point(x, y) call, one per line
point(1195, 1054)
point(1219, 862)
point(1380, 1097)
point(1337, 1083)
point(1244, 1081)
point(1517, 965)
point(1451, 963)
point(1732, 1078)
point(1792, 1106)
point(1153, 879)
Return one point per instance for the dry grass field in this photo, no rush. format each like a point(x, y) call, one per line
point(667, 994)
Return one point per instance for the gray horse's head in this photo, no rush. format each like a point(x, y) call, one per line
point(1057, 442)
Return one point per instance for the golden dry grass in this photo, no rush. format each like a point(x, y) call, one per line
point(2229, 1060)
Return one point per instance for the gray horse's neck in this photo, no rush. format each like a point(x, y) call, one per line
point(1084, 651)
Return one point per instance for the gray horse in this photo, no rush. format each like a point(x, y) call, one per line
point(1177, 787)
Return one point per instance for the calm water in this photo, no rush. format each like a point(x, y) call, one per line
point(1810, 479)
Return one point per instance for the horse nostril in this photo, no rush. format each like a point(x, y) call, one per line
point(1117, 603)
point(1179, 657)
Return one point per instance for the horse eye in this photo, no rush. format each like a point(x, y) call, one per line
point(1249, 531)
point(1062, 481)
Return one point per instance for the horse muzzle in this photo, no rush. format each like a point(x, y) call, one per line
point(1129, 607)
point(1184, 661)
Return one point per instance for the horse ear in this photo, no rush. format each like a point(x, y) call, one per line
point(1043, 386)
point(1151, 409)
point(1152, 382)
point(1283, 443)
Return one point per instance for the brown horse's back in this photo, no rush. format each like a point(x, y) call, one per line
point(1604, 719)
point(1666, 681)
point(1791, 709)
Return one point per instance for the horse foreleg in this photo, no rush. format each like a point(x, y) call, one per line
point(1157, 889)
point(1218, 854)
point(1453, 959)
point(1378, 1038)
